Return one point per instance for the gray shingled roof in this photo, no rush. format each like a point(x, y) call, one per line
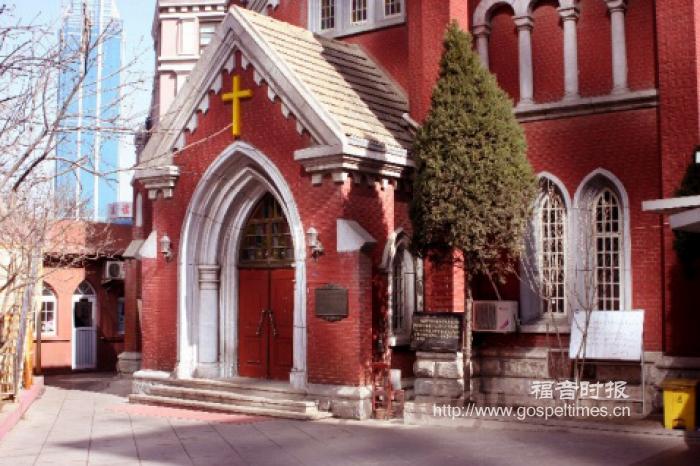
point(352, 88)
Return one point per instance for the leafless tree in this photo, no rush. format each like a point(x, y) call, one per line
point(42, 76)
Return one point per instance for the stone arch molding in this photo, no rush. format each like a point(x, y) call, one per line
point(595, 180)
point(208, 274)
point(482, 13)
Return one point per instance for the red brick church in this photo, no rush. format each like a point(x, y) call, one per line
point(272, 236)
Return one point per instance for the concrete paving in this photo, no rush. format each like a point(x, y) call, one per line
point(85, 419)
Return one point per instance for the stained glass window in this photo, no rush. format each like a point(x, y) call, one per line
point(267, 241)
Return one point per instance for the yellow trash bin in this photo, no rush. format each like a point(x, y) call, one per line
point(679, 403)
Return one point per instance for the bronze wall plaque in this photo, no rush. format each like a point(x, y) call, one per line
point(440, 332)
point(331, 302)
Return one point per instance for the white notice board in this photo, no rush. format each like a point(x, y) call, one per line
point(611, 335)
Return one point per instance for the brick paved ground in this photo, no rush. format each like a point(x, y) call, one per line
point(85, 420)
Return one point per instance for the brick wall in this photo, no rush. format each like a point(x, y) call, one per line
point(338, 352)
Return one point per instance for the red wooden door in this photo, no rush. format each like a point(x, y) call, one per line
point(253, 292)
point(282, 322)
point(265, 322)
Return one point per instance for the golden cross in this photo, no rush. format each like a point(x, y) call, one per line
point(235, 96)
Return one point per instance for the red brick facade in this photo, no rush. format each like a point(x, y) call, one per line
point(646, 147)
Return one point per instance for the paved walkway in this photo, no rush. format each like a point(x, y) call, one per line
point(86, 420)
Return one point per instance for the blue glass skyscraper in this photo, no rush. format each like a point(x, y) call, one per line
point(89, 84)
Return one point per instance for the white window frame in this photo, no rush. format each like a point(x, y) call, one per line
point(540, 251)
point(532, 317)
point(48, 299)
point(202, 23)
point(376, 18)
point(614, 236)
point(586, 194)
point(187, 37)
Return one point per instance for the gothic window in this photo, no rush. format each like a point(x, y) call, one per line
point(267, 241)
point(552, 248)
point(607, 245)
point(404, 293)
point(48, 311)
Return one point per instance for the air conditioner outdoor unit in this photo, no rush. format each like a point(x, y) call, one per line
point(494, 316)
point(114, 270)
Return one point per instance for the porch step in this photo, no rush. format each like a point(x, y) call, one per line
point(225, 397)
point(203, 402)
point(267, 389)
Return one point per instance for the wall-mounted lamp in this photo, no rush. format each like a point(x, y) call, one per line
point(314, 243)
point(696, 155)
point(166, 247)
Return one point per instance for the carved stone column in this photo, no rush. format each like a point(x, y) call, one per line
point(524, 25)
point(569, 17)
point(619, 45)
point(208, 312)
point(482, 33)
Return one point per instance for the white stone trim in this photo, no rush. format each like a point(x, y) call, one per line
point(569, 17)
point(619, 45)
point(351, 237)
point(149, 248)
point(524, 26)
point(686, 221)
point(581, 106)
point(211, 234)
point(671, 205)
point(580, 208)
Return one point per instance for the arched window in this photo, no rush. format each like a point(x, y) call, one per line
point(48, 310)
point(603, 250)
point(607, 249)
point(551, 215)
point(405, 288)
point(267, 241)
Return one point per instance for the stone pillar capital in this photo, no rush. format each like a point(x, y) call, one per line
point(482, 30)
point(208, 276)
point(616, 5)
point(523, 23)
point(569, 13)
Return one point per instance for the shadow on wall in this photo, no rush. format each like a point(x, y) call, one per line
point(682, 318)
point(98, 382)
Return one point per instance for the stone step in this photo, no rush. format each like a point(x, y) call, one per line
point(240, 385)
point(227, 397)
point(225, 408)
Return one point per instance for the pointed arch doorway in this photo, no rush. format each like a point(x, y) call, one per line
point(266, 296)
point(219, 270)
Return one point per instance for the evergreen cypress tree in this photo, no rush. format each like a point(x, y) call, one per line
point(474, 186)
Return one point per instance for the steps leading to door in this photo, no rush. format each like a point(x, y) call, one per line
point(245, 396)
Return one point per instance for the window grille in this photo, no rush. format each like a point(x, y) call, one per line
point(552, 257)
point(607, 241)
